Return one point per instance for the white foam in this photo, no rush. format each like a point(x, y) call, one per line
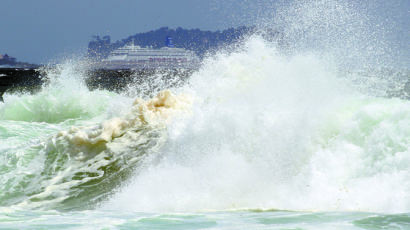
point(269, 131)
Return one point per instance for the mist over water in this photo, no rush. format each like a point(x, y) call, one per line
point(289, 127)
point(304, 121)
point(269, 131)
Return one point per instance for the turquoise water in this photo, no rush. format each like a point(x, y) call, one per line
point(252, 219)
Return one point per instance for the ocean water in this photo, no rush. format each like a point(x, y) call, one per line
point(266, 135)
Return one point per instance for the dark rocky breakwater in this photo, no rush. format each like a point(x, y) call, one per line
point(19, 79)
point(31, 80)
point(120, 80)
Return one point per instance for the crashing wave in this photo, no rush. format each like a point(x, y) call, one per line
point(85, 164)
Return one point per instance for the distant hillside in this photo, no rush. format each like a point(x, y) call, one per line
point(7, 61)
point(193, 39)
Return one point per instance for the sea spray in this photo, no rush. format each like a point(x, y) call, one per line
point(282, 132)
point(85, 163)
point(63, 97)
point(37, 174)
point(305, 122)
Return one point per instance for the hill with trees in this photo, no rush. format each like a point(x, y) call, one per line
point(192, 39)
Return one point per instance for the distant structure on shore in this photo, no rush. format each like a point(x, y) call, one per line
point(7, 61)
point(133, 56)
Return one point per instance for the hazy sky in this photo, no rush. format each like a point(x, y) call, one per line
point(40, 31)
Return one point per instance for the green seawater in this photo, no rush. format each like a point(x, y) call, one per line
point(251, 219)
point(24, 170)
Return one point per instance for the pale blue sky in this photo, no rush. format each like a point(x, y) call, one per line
point(40, 31)
point(37, 31)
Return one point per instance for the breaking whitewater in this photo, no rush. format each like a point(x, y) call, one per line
point(257, 138)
